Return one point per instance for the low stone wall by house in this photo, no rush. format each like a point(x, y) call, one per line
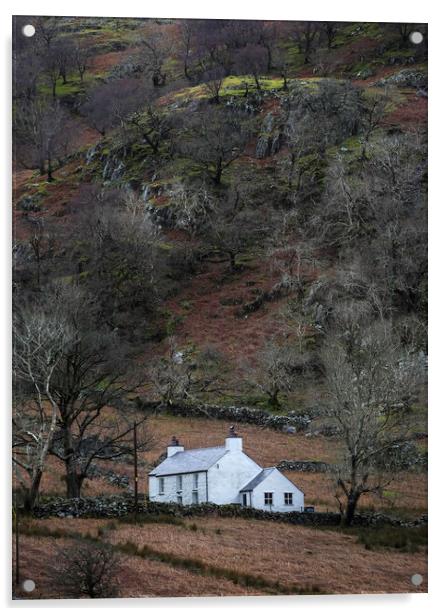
point(235, 414)
point(117, 507)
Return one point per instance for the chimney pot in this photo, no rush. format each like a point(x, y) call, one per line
point(174, 447)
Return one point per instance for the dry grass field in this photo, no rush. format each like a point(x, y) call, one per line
point(137, 577)
point(329, 561)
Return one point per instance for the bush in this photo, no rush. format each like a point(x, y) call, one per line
point(88, 569)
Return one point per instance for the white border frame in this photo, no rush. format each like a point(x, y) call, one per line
point(340, 10)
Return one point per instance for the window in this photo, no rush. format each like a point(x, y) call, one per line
point(180, 500)
point(195, 498)
point(196, 481)
point(161, 485)
point(179, 483)
point(268, 498)
point(288, 498)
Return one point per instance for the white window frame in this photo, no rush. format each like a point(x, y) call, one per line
point(288, 496)
point(195, 481)
point(267, 496)
point(179, 483)
point(161, 485)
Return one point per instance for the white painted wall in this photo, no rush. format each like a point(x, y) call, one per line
point(278, 484)
point(229, 474)
point(171, 492)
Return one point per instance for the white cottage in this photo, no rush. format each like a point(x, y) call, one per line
point(221, 475)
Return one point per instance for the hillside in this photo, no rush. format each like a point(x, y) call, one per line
point(217, 215)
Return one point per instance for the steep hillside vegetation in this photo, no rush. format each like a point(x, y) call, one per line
point(218, 212)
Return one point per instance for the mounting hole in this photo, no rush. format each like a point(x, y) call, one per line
point(28, 585)
point(416, 579)
point(416, 38)
point(28, 30)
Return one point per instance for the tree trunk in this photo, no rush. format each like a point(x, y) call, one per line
point(33, 492)
point(274, 399)
point(352, 501)
point(292, 166)
point(49, 172)
point(218, 171)
point(72, 483)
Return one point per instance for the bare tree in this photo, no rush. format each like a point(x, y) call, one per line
point(215, 139)
point(155, 50)
point(186, 42)
point(87, 569)
point(306, 35)
point(373, 111)
point(194, 207)
point(39, 341)
point(81, 59)
point(213, 78)
point(371, 382)
point(330, 29)
point(283, 64)
point(272, 372)
point(47, 29)
point(42, 128)
point(150, 123)
point(252, 60)
point(300, 136)
point(42, 245)
point(181, 376)
point(121, 249)
point(110, 103)
point(233, 227)
point(89, 380)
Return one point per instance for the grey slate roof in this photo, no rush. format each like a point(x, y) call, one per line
point(257, 479)
point(189, 461)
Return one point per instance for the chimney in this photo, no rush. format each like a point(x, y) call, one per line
point(233, 441)
point(174, 447)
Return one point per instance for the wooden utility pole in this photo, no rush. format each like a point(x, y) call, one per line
point(135, 463)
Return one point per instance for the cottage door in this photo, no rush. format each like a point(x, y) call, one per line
point(244, 499)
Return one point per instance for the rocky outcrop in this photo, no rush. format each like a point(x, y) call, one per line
point(407, 78)
point(270, 139)
point(30, 203)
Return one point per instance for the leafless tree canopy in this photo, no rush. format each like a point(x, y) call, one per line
point(372, 382)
